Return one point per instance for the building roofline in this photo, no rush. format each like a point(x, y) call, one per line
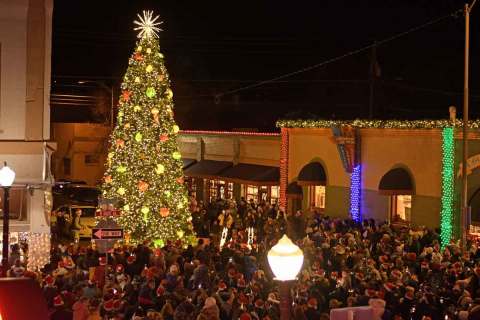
point(376, 124)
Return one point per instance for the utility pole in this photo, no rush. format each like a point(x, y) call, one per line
point(373, 65)
point(465, 208)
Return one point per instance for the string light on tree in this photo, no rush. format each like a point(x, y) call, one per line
point(448, 176)
point(144, 163)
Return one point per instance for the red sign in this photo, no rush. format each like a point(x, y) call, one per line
point(105, 234)
point(108, 213)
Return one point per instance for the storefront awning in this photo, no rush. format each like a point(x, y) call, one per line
point(188, 162)
point(208, 169)
point(396, 181)
point(252, 174)
point(294, 190)
point(313, 174)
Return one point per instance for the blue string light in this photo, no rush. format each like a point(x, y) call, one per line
point(355, 193)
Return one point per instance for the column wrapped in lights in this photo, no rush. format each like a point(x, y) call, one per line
point(284, 168)
point(448, 161)
point(355, 193)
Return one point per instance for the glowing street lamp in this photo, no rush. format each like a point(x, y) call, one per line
point(7, 176)
point(285, 260)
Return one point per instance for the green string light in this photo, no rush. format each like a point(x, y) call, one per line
point(378, 124)
point(446, 215)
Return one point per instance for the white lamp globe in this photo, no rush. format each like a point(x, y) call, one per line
point(7, 176)
point(285, 259)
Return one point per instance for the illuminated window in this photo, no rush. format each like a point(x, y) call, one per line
point(400, 207)
point(252, 193)
point(191, 185)
point(17, 203)
point(220, 190)
point(274, 194)
point(317, 196)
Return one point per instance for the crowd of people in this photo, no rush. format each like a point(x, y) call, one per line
point(401, 272)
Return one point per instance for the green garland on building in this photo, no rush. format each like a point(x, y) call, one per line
point(379, 124)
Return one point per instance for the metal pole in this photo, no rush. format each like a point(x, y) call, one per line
point(6, 221)
point(463, 219)
point(285, 300)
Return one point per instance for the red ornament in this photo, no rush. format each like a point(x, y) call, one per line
point(108, 179)
point(180, 180)
point(164, 212)
point(142, 186)
point(120, 143)
point(163, 138)
point(138, 56)
point(126, 95)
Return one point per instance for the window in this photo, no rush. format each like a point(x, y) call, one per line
point(220, 190)
point(317, 196)
point(17, 203)
point(92, 159)
point(252, 193)
point(274, 194)
point(400, 208)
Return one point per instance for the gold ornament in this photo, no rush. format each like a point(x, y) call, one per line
point(161, 77)
point(176, 129)
point(121, 191)
point(180, 206)
point(149, 50)
point(121, 169)
point(176, 155)
point(138, 137)
point(137, 79)
point(127, 125)
point(139, 48)
point(145, 210)
point(155, 111)
point(169, 94)
point(110, 155)
point(180, 234)
point(160, 169)
point(137, 108)
point(126, 207)
point(149, 68)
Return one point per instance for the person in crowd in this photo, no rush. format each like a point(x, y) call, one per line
point(76, 225)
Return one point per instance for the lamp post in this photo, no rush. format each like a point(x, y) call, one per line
point(106, 88)
point(7, 176)
point(285, 260)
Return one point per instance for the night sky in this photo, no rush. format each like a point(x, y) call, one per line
point(212, 47)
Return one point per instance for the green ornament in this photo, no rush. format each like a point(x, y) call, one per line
point(160, 55)
point(176, 155)
point(120, 114)
point(167, 193)
point(121, 169)
point(138, 137)
point(151, 92)
point(176, 129)
point(158, 243)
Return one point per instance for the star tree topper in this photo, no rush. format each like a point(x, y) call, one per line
point(147, 25)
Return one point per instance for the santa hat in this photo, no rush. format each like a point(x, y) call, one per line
point(389, 286)
point(411, 256)
point(222, 286)
point(241, 283)
point(383, 259)
point(108, 305)
point(245, 316)
point(232, 272)
point(58, 301)
point(259, 303)
point(158, 252)
point(102, 261)
point(160, 290)
point(312, 302)
point(131, 259)
point(68, 263)
point(119, 268)
point(49, 280)
point(424, 265)
point(370, 293)
point(397, 274)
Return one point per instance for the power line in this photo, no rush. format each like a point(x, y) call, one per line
point(335, 59)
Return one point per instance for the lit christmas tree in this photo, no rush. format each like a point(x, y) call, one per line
point(144, 166)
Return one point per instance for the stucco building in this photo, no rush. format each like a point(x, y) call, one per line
point(25, 54)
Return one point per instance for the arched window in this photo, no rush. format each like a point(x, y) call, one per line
point(398, 185)
point(313, 176)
